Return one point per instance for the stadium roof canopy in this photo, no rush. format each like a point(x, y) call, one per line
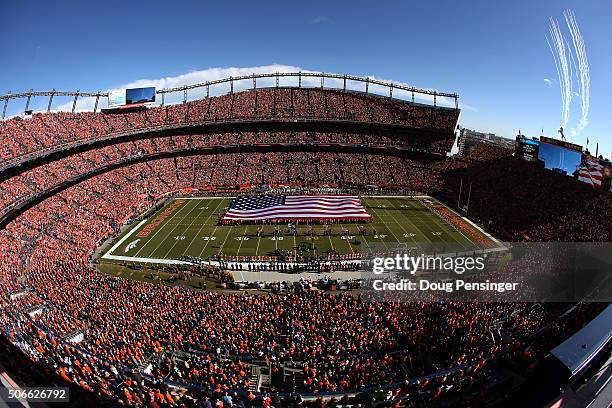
point(577, 351)
point(334, 81)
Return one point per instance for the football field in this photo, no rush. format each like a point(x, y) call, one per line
point(190, 227)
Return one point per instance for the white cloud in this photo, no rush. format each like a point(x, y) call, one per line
point(210, 74)
point(192, 77)
point(320, 20)
point(548, 81)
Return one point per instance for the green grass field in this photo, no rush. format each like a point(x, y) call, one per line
point(190, 227)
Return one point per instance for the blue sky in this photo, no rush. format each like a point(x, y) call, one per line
point(493, 54)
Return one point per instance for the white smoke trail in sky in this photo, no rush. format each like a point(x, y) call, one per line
point(560, 56)
point(572, 67)
point(583, 69)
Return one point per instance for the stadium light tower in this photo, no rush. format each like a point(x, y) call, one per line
point(6, 104)
point(50, 100)
point(27, 106)
point(97, 100)
point(74, 102)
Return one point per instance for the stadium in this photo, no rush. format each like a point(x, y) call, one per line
point(213, 250)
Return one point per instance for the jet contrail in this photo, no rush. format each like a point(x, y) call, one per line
point(562, 65)
point(583, 69)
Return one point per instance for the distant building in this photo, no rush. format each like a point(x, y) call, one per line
point(468, 139)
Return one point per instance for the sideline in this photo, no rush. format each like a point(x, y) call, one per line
point(122, 240)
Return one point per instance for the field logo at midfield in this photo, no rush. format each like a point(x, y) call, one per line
point(161, 218)
point(131, 245)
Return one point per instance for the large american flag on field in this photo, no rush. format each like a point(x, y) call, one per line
point(592, 172)
point(280, 207)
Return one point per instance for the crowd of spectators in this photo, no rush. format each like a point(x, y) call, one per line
point(231, 171)
point(567, 209)
point(552, 207)
point(129, 340)
point(44, 131)
point(103, 332)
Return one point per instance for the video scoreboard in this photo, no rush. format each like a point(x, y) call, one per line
point(526, 149)
point(119, 98)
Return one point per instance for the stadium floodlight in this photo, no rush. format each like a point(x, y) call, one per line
point(50, 100)
point(97, 100)
point(27, 106)
point(5, 104)
point(76, 96)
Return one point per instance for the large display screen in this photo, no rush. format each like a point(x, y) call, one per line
point(132, 96)
point(559, 159)
point(527, 149)
point(116, 98)
point(139, 95)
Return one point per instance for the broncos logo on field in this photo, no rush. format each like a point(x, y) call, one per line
point(131, 245)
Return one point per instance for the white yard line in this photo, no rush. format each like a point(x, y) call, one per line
point(385, 224)
point(242, 240)
point(172, 231)
point(212, 234)
point(349, 241)
point(453, 226)
point(222, 246)
point(146, 260)
point(258, 241)
point(500, 246)
point(182, 233)
point(329, 236)
point(440, 222)
point(387, 227)
point(159, 228)
point(201, 228)
point(402, 227)
point(363, 237)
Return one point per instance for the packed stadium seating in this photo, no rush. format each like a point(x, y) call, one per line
point(220, 332)
point(552, 207)
point(222, 170)
point(132, 341)
point(43, 131)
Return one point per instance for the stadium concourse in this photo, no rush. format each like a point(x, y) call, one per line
point(137, 343)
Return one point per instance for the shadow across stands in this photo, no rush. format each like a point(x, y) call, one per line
point(522, 201)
